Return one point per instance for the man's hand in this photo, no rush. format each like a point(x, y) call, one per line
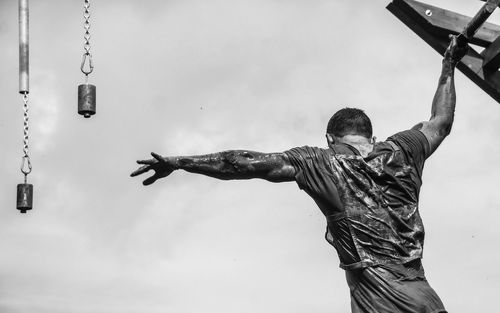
point(160, 165)
point(456, 50)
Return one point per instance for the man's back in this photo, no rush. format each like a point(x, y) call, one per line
point(371, 207)
point(371, 203)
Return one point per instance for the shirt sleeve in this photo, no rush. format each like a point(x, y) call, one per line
point(312, 169)
point(414, 145)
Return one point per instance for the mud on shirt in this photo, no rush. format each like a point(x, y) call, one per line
point(371, 203)
point(371, 207)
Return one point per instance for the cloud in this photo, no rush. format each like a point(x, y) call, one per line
point(45, 105)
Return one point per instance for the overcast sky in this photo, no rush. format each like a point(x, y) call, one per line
point(198, 76)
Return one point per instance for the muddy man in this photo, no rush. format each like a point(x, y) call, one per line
point(367, 190)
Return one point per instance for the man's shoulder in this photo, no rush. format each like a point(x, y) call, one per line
point(413, 143)
point(308, 153)
point(409, 136)
point(309, 150)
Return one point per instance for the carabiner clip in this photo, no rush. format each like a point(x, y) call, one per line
point(84, 60)
point(26, 165)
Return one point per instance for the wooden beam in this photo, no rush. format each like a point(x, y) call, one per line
point(441, 23)
point(478, 20)
point(491, 56)
point(415, 24)
point(471, 65)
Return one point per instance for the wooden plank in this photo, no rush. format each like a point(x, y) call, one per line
point(471, 65)
point(478, 20)
point(441, 22)
point(491, 56)
point(416, 25)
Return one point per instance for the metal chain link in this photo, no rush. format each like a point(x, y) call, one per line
point(86, 26)
point(26, 162)
point(86, 54)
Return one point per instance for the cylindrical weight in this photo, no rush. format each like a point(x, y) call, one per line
point(23, 47)
point(24, 197)
point(86, 100)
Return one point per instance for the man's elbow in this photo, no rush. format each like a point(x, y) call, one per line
point(445, 129)
point(443, 125)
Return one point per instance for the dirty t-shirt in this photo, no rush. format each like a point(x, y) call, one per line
point(371, 204)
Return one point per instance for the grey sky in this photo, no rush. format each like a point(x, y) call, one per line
point(186, 77)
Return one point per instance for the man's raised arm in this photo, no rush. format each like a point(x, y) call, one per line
point(443, 104)
point(234, 164)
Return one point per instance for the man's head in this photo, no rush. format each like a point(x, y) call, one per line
point(349, 121)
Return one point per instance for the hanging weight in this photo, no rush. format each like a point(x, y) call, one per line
point(86, 100)
point(24, 197)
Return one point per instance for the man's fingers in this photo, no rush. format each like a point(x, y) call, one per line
point(140, 170)
point(155, 164)
point(157, 157)
point(148, 162)
point(150, 180)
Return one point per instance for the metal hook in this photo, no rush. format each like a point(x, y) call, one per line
point(91, 64)
point(26, 166)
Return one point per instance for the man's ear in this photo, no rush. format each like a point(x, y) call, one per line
point(330, 139)
point(374, 140)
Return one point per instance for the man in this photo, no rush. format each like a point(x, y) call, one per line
point(367, 190)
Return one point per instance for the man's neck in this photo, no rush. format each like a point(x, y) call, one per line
point(362, 144)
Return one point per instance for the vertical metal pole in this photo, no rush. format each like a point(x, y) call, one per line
point(24, 70)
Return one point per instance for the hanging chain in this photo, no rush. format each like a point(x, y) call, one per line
point(86, 54)
point(26, 162)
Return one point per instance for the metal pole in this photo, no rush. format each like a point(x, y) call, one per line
point(24, 47)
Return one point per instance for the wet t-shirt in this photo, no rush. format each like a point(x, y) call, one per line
point(371, 203)
point(371, 208)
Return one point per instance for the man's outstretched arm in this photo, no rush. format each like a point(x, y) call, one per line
point(443, 104)
point(234, 164)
